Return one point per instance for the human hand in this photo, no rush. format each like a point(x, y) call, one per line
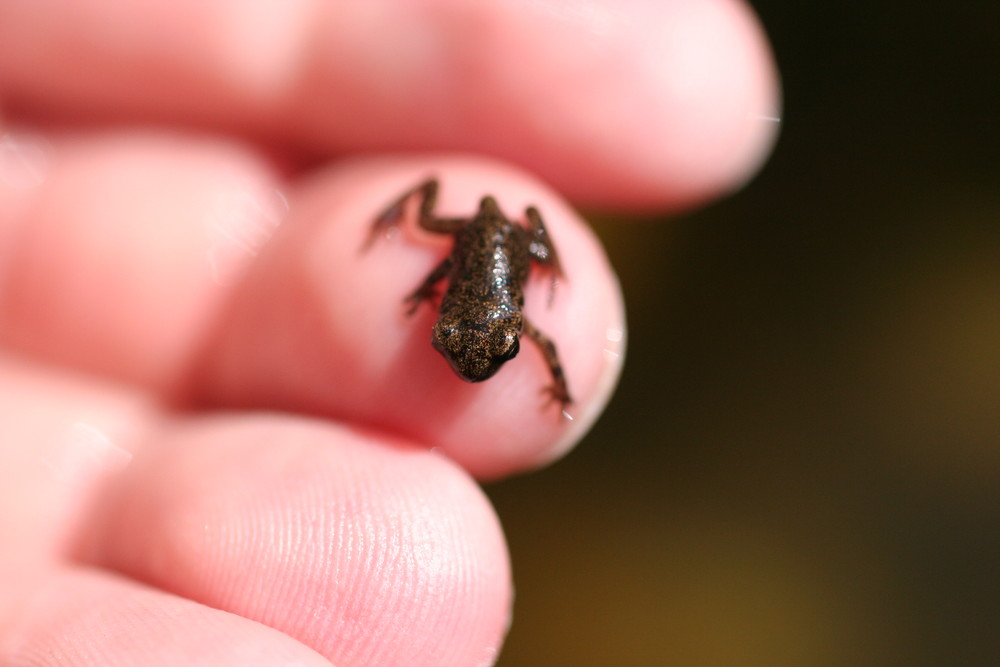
point(222, 440)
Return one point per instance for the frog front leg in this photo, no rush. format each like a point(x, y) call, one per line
point(427, 192)
point(557, 391)
point(428, 289)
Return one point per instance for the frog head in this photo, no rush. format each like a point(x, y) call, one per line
point(477, 350)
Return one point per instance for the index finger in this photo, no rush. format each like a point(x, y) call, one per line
point(624, 104)
point(169, 263)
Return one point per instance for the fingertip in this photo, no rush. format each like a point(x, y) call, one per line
point(723, 89)
point(321, 327)
point(359, 548)
point(627, 105)
point(686, 111)
point(635, 105)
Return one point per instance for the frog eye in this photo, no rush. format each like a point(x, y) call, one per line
point(511, 351)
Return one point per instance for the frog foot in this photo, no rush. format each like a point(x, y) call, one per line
point(557, 393)
point(418, 297)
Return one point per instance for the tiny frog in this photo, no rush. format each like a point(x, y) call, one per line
point(480, 320)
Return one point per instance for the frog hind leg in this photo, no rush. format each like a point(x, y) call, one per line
point(557, 391)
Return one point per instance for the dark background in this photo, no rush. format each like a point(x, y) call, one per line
point(802, 465)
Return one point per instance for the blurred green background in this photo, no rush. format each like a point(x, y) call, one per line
point(802, 465)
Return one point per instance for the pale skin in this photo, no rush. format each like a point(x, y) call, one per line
point(329, 515)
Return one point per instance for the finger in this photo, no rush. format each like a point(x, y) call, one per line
point(369, 554)
point(62, 436)
point(358, 549)
point(636, 104)
point(320, 325)
point(117, 250)
point(126, 265)
point(78, 617)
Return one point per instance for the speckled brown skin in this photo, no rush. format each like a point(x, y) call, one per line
point(480, 320)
